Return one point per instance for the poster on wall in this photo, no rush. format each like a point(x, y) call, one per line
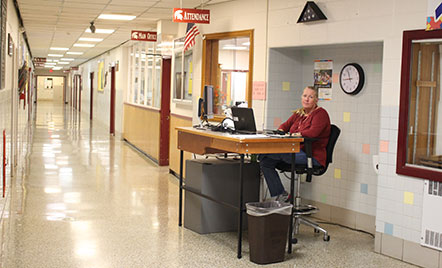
point(101, 79)
point(434, 15)
point(323, 78)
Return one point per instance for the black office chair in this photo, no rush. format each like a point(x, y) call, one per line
point(300, 210)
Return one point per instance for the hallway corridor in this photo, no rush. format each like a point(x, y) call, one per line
point(87, 199)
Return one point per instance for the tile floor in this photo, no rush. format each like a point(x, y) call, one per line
point(86, 199)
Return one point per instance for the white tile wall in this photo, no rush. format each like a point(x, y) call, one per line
point(295, 65)
point(391, 208)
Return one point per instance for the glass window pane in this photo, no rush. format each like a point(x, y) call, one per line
point(178, 75)
point(233, 62)
point(188, 75)
point(157, 85)
point(142, 59)
point(424, 139)
point(149, 79)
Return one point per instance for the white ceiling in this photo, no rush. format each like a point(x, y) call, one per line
point(60, 23)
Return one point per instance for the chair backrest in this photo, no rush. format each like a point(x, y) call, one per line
point(334, 134)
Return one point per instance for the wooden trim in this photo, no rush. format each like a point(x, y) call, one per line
point(181, 116)
point(207, 72)
point(143, 107)
point(401, 167)
point(426, 83)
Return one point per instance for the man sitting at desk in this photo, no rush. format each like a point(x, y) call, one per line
point(309, 121)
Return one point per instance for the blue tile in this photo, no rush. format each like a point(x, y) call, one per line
point(364, 188)
point(388, 228)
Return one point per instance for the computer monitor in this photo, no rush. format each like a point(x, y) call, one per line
point(208, 101)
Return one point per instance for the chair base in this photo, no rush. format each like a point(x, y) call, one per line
point(302, 220)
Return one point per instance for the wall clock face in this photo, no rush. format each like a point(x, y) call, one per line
point(352, 78)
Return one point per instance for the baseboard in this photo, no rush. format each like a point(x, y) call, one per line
point(407, 251)
point(346, 217)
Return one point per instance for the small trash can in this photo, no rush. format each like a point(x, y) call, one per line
point(268, 230)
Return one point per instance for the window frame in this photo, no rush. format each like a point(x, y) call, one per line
point(401, 167)
point(135, 48)
point(178, 48)
point(228, 35)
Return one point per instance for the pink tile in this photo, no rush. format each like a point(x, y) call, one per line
point(383, 146)
point(335, 78)
point(277, 122)
point(366, 148)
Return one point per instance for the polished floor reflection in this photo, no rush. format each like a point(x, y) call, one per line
point(87, 199)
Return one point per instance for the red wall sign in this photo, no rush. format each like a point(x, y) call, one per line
point(43, 60)
point(191, 15)
point(144, 36)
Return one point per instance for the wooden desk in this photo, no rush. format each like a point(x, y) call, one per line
point(208, 142)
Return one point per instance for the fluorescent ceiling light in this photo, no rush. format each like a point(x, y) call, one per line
point(116, 17)
point(101, 31)
point(90, 39)
point(55, 55)
point(50, 63)
point(83, 45)
point(67, 59)
point(57, 68)
point(63, 62)
point(246, 44)
point(74, 53)
point(165, 44)
point(55, 60)
point(234, 48)
point(59, 48)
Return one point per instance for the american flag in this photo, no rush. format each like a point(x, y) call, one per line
point(191, 33)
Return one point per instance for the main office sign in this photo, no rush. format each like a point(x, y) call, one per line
point(191, 15)
point(144, 36)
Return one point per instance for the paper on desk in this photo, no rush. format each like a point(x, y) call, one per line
point(248, 136)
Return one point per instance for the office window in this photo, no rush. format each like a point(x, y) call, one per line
point(420, 121)
point(183, 72)
point(144, 75)
point(228, 67)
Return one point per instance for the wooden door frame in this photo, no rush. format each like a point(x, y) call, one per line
point(165, 112)
point(112, 102)
point(92, 96)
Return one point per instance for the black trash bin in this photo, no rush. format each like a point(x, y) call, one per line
point(268, 230)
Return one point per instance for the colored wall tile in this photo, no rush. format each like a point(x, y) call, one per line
point(364, 188)
point(408, 198)
point(383, 146)
point(335, 78)
point(323, 198)
point(346, 117)
point(337, 173)
point(388, 228)
point(285, 86)
point(277, 122)
point(366, 148)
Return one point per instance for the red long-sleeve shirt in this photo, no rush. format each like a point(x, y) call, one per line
point(314, 125)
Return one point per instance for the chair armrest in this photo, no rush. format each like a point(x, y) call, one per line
point(309, 153)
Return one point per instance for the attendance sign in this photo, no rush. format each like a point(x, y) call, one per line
point(191, 15)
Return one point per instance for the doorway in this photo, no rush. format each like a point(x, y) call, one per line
point(112, 103)
point(50, 88)
point(92, 96)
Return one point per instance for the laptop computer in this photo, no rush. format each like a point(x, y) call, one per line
point(244, 120)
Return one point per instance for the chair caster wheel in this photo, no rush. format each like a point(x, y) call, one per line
point(316, 231)
point(294, 241)
point(326, 238)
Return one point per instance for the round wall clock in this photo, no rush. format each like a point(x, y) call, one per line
point(352, 78)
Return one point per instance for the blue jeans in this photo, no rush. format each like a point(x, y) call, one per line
point(268, 164)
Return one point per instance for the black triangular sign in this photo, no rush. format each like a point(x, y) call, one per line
point(311, 12)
